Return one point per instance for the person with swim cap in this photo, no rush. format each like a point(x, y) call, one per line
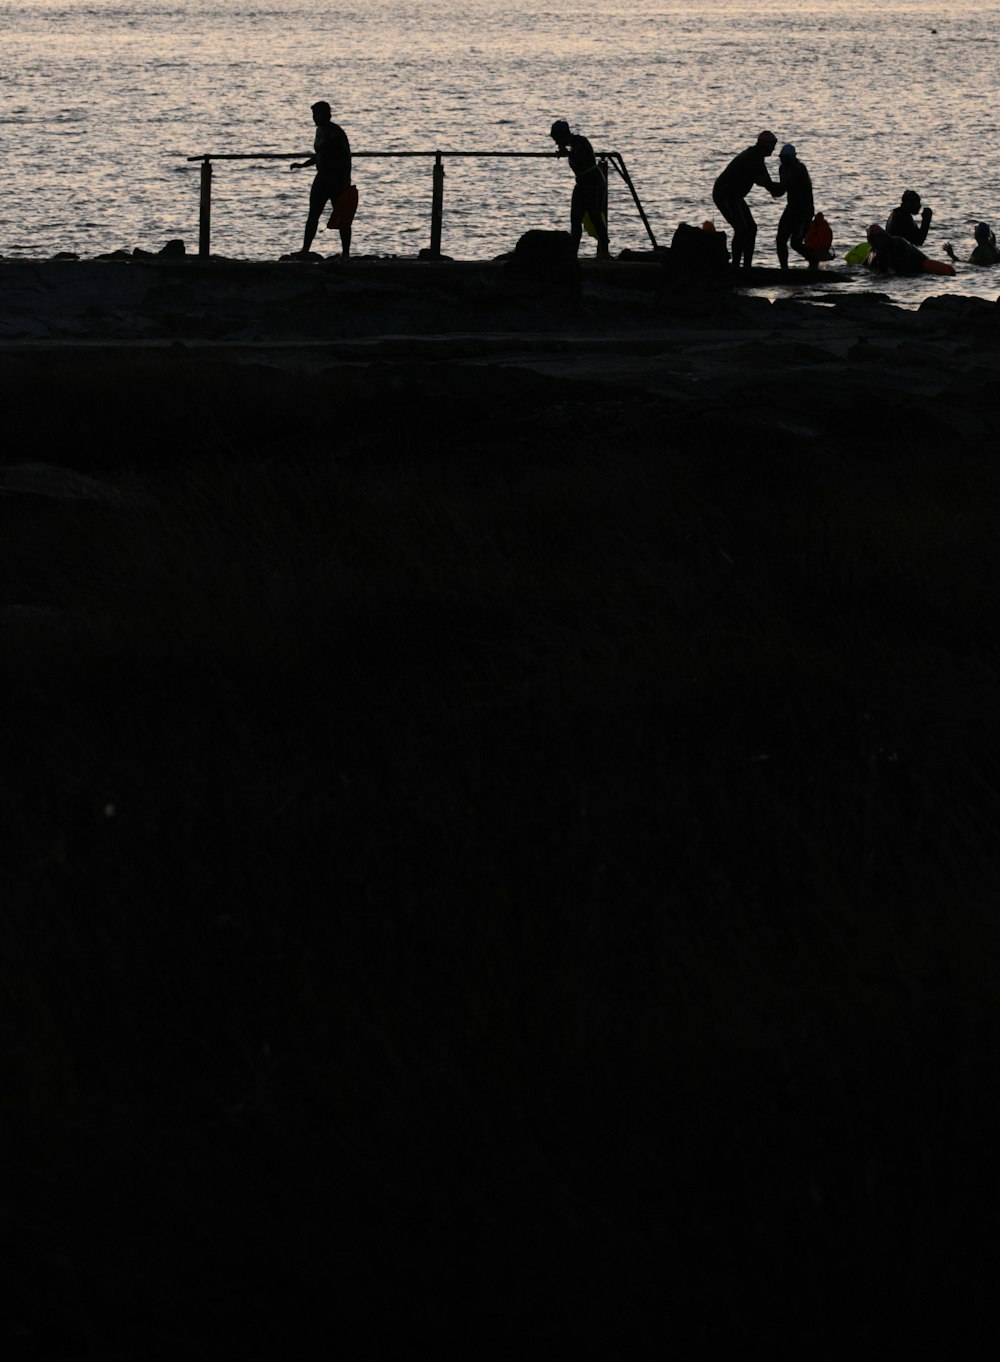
point(730, 191)
point(332, 159)
point(901, 221)
point(896, 255)
point(985, 251)
point(793, 180)
point(590, 189)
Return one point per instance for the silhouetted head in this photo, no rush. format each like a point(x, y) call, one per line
point(767, 141)
point(910, 201)
point(982, 231)
point(559, 132)
point(876, 235)
point(787, 152)
point(321, 112)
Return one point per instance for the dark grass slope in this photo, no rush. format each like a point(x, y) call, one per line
point(515, 873)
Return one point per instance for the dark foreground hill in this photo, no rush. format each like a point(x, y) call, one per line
point(500, 824)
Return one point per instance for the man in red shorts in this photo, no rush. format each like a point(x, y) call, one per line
point(332, 159)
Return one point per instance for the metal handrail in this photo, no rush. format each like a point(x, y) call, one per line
point(290, 155)
point(604, 158)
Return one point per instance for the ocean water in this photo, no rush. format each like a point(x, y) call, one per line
point(102, 102)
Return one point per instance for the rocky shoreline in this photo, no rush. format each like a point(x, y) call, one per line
point(501, 781)
point(842, 367)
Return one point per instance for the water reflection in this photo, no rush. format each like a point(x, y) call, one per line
point(674, 85)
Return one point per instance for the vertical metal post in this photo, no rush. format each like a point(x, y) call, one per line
point(437, 206)
point(205, 209)
point(622, 169)
point(603, 163)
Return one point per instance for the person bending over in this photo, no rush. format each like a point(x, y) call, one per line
point(589, 190)
point(896, 255)
point(729, 194)
point(332, 159)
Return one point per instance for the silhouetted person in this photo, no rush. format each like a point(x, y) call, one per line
point(332, 159)
point(901, 221)
point(896, 255)
point(892, 254)
point(985, 251)
point(793, 180)
point(729, 193)
point(590, 187)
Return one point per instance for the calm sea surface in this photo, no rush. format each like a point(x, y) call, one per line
point(102, 101)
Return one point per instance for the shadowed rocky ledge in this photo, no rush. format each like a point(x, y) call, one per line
point(500, 797)
point(259, 349)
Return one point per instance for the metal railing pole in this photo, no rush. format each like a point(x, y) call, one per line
point(618, 161)
point(205, 209)
point(437, 206)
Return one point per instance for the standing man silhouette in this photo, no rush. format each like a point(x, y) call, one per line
point(589, 190)
point(332, 159)
point(793, 180)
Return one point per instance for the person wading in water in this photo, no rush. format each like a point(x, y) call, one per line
point(901, 221)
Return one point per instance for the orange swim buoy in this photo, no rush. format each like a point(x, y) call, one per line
point(819, 236)
point(937, 267)
point(345, 208)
